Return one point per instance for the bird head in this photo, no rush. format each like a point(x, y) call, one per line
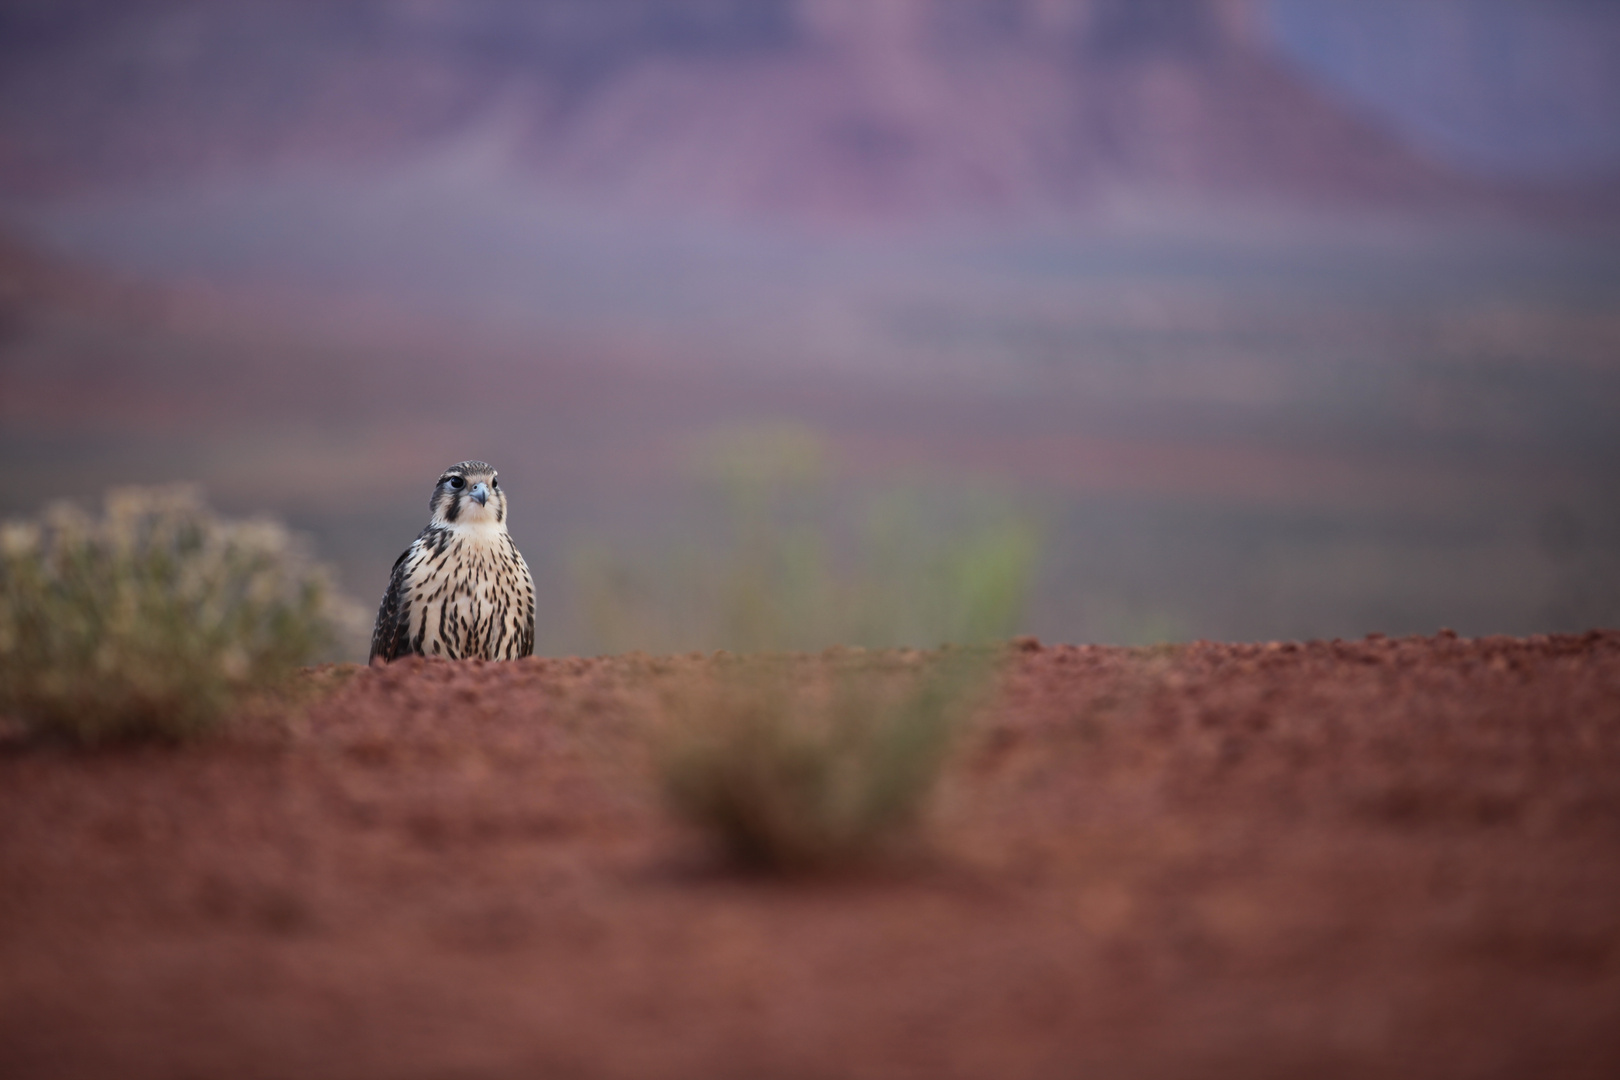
point(469, 494)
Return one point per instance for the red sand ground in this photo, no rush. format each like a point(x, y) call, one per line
point(1379, 858)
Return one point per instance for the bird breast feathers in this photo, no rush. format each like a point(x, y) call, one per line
point(468, 556)
point(466, 589)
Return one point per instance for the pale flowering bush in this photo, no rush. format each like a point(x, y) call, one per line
point(148, 621)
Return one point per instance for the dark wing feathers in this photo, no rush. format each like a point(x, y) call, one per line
point(526, 619)
point(391, 638)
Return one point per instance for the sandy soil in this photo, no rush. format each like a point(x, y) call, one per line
point(1375, 858)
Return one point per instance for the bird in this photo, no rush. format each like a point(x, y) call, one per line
point(461, 590)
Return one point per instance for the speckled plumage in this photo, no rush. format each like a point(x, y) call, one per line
point(461, 590)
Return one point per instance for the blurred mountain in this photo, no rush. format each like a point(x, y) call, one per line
point(825, 108)
point(907, 107)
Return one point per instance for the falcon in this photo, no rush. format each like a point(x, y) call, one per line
point(462, 590)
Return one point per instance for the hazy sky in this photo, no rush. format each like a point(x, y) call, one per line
point(1512, 87)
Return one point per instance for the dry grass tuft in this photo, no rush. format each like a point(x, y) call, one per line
point(148, 622)
point(794, 772)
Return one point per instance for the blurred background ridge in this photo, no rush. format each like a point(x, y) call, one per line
point(826, 107)
point(1266, 317)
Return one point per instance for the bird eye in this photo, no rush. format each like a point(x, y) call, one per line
point(494, 483)
point(457, 483)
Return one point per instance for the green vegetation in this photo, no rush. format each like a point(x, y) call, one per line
point(793, 764)
point(775, 562)
point(790, 773)
point(149, 621)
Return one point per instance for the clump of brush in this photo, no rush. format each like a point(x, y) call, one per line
point(805, 764)
point(149, 621)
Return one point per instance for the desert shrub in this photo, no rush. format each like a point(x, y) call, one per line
point(777, 557)
point(794, 771)
point(148, 621)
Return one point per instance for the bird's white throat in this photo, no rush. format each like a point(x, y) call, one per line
point(487, 531)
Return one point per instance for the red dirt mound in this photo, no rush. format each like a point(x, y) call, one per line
point(1390, 858)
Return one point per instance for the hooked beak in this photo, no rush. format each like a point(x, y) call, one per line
point(480, 493)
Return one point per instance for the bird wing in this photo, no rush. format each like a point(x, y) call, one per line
point(526, 620)
point(391, 638)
